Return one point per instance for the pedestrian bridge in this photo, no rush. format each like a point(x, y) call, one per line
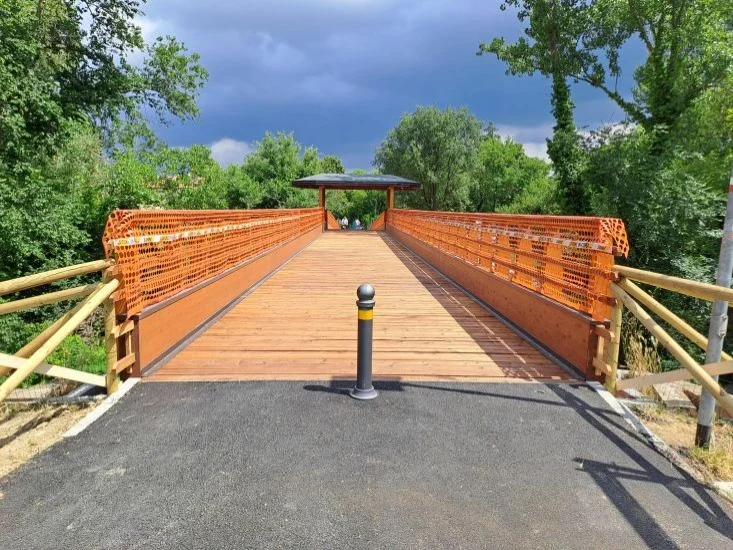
point(270, 295)
point(300, 323)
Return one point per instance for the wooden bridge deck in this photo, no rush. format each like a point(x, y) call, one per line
point(300, 324)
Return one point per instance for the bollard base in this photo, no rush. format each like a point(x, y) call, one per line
point(363, 395)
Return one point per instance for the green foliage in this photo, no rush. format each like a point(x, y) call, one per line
point(275, 164)
point(539, 196)
point(436, 148)
point(672, 216)
point(564, 150)
point(42, 222)
point(75, 353)
point(357, 204)
point(63, 60)
point(689, 47)
point(242, 191)
point(553, 27)
point(502, 174)
point(331, 164)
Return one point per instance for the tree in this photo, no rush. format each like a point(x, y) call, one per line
point(331, 164)
point(275, 164)
point(502, 173)
point(436, 148)
point(689, 47)
point(564, 150)
point(67, 60)
point(553, 27)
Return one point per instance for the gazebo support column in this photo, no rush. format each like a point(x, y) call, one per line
point(322, 205)
point(381, 182)
point(390, 203)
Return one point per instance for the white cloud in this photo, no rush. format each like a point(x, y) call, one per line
point(228, 151)
point(537, 150)
point(151, 28)
point(531, 137)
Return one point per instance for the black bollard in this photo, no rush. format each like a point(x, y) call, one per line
point(364, 388)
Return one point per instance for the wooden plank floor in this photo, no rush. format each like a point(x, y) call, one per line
point(300, 324)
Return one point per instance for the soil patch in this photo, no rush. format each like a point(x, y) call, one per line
point(677, 429)
point(26, 430)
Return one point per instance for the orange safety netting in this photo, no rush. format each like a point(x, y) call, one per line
point(162, 252)
point(566, 258)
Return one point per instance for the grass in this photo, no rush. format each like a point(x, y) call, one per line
point(74, 353)
point(641, 353)
point(677, 429)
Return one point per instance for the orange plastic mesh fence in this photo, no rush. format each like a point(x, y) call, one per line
point(331, 222)
point(378, 223)
point(162, 252)
point(566, 258)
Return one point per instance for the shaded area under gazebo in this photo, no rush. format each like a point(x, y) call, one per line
point(386, 183)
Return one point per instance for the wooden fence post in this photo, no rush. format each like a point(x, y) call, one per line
point(617, 314)
point(110, 340)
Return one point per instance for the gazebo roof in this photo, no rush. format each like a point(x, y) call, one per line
point(344, 181)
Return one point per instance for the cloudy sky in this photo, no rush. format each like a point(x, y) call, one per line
point(340, 73)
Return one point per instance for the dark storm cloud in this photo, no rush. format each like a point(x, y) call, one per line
point(339, 73)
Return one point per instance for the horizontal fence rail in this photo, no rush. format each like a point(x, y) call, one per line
point(568, 259)
point(31, 358)
point(162, 252)
point(693, 368)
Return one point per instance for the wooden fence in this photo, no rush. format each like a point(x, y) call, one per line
point(31, 357)
point(378, 223)
point(630, 296)
point(331, 222)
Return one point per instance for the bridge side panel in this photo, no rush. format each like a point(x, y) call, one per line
point(566, 333)
point(162, 327)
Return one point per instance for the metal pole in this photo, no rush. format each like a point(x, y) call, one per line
point(718, 325)
point(364, 389)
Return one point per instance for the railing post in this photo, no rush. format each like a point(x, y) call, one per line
point(617, 315)
point(364, 389)
point(718, 326)
point(110, 341)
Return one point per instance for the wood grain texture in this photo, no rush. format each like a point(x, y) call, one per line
point(300, 324)
point(568, 333)
point(165, 327)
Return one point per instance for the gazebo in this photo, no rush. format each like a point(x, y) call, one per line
point(386, 183)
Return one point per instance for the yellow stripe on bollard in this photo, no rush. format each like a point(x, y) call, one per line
point(366, 314)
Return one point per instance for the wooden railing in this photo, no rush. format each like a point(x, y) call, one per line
point(378, 223)
point(163, 252)
point(566, 258)
point(31, 357)
point(331, 222)
point(630, 296)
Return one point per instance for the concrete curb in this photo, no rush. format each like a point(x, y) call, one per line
point(106, 405)
point(724, 489)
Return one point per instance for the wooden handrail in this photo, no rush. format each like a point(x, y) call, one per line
point(54, 340)
point(39, 279)
point(48, 298)
point(378, 223)
point(14, 362)
point(678, 323)
point(678, 352)
point(695, 289)
point(713, 369)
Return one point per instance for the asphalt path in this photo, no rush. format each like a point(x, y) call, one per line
point(301, 465)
